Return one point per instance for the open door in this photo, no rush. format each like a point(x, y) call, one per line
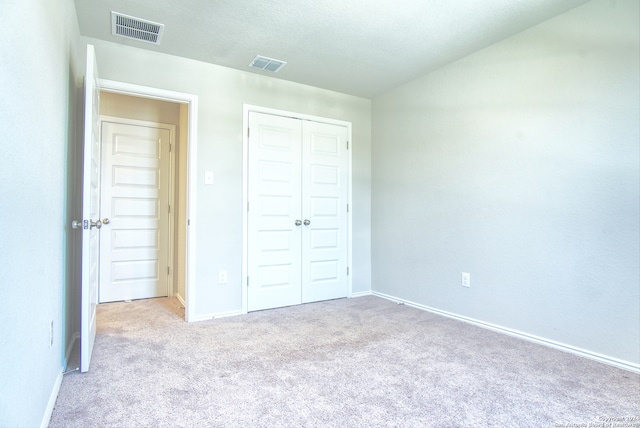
point(91, 223)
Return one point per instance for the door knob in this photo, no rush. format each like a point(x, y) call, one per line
point(307, 222)
point(298, 222)
point(96, 224)
point(106, 221)
point(76, 224)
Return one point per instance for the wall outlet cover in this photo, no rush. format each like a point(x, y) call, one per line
point(466, 279)
point(222, 277)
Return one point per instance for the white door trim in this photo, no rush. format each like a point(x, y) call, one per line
point(192, 101)
point(245, 188)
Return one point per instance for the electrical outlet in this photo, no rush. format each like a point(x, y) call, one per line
point(51, 335)
point(222, 277)
point(466, 279)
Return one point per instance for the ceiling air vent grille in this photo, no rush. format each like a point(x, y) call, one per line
point(136, 28)
point(269, 64)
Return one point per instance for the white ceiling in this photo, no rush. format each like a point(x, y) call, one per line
point(358, 47)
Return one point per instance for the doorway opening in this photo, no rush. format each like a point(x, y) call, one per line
point(143, 188)
point(139, 105)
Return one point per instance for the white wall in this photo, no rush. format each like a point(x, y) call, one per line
point(221, 93)
point(39, 77)
point(519, 164)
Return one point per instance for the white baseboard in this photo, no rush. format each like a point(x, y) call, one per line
point(181, 300)
point(207, 317)
point(361, 294)
point(531, 338)
point(227, 314)
point(46, 418)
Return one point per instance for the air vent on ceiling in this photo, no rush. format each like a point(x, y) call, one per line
point(136, 28)
point(269, 64)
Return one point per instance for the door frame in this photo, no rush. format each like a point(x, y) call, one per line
point(171, 288)
point(247, 108)
point(192, 137)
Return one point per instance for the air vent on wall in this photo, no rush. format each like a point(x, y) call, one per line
point(136, 28)
point(269, 64)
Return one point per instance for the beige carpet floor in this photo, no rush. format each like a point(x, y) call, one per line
point(363, 362)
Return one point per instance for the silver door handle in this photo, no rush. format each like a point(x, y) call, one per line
point(96, 224)
point(76, 224)
point(298, 222)
point(307, 222)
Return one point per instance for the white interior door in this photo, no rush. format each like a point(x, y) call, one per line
point(274, 208)
point(90, 210)
point(134, 246)
point(325, 177)
point(297, 219)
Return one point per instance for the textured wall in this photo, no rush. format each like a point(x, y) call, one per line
point(38, 83)
point(221, 93)
point(519, 164)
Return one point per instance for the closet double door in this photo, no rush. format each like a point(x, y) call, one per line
point(298, 179)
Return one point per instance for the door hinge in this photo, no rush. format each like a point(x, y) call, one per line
point(248, 132)
point(188, 222)
point(347, 207)
point(347, 270)
point(347, 144)
point(247, 281)
point(168, 270)
point(169, 209)
point(247, 206)
point(170, 148)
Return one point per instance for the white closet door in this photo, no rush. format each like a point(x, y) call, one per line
point(324, 210)
point(274, 206)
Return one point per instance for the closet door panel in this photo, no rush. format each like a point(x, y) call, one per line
point(324, 211)
point(275, 192)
